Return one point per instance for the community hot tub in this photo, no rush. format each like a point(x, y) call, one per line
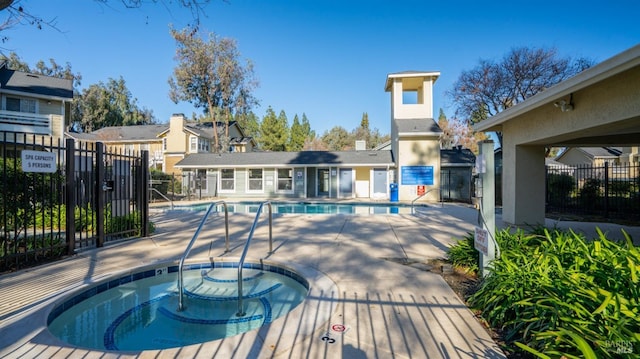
point(138, 310)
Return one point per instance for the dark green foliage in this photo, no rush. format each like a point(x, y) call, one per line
point(590, 192)
point(560, 294)
point(620, 188)
point(559, 187)
point(463, 254)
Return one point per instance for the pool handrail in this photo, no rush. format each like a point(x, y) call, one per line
point(162, 195)
point(241, 312)
point(190, 245)
point(424, 194)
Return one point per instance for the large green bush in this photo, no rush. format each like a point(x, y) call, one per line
point(590, 193)
point(560, 187)
point(561, 295)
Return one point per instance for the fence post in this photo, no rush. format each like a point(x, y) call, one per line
point(100, 194)
point(606, 190)
point(144, 173)
point(70, 186)
point(188, 186)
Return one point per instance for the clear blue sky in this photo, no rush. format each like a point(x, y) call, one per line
point(328, 59)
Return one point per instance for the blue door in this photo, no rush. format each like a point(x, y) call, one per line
point(346, 182)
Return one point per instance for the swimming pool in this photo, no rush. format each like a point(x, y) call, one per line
point(139, 311)
point(308, 208)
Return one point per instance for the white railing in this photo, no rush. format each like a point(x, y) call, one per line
point(12, 121)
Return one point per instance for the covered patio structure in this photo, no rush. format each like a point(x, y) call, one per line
point(598, 107)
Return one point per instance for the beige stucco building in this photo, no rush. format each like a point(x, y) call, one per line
point(33, 104)
point(415, 136)
point(598, 107)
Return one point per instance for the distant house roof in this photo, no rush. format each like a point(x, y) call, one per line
point(417, 127)
point(593, 152)
point(602, 151)
point(279, 159)
point(129, 133)
point(34, 84)
point(200, 131)
point(553, 163)
point(457, 157)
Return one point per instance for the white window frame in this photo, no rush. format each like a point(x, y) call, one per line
point(220, 181)
point(144, 147)
point(249, 180)
point(289, 178)
point(164, 144)
point(193, 144)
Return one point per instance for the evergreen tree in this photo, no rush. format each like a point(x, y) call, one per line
point(249, 124)
point(306, 127)
point(273, 131)
point(362, 133)
point(297, 137)
point(300, 133)
point(376, 139)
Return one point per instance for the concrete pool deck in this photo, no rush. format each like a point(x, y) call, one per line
point(382, 308)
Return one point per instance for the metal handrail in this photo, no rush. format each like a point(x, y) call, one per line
point(162, 195)
point(246, 249)
point(190, 245)
point(424, 194)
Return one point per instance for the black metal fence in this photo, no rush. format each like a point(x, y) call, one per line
point(456, 184)
point(607, 191)
point(57, 198)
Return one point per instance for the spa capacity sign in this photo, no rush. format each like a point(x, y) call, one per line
point(38, 161)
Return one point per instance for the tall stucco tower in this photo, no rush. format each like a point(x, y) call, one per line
point(415, 136)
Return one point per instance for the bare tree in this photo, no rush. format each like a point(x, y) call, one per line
point(13, 13)
point(492, 87)
point(458, 133)
point(210, 75)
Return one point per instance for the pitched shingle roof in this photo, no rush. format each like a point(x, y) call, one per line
point(602, 151)
point(35, 84)
point(457, 156)
point(129, 133)
point(276, 159)
point(417, 126)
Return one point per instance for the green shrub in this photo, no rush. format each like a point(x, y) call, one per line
point(562, 295)
point(560, 187)
point(463, 254)
point(590, 193)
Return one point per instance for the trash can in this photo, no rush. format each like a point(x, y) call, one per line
point(393, 192)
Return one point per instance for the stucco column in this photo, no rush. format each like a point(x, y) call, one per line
point(523, 184)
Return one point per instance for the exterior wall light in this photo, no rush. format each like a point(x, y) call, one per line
point(564, 105)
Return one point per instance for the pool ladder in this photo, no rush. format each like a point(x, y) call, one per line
point(241, 311)
point(190, 245)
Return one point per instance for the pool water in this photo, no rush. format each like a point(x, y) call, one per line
point(134, 315)
point(307, 208)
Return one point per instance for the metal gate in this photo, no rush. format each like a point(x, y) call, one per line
point(58, 198)
point(456, 184)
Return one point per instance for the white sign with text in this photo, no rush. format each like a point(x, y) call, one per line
point(38, 161)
